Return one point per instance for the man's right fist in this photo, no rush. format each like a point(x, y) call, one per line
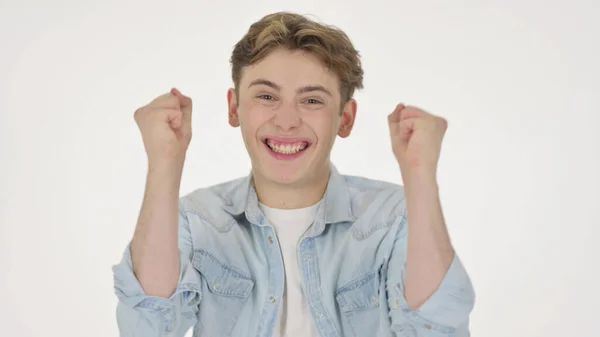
point(166, 127)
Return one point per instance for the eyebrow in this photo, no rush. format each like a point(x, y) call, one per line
point(303, 90)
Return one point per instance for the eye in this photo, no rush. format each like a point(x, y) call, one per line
point(265, 97)
point(313, 101)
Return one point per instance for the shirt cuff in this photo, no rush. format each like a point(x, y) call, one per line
point(130, 292)
point(446, 311)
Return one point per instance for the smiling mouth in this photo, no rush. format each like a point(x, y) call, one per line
point(286, 148)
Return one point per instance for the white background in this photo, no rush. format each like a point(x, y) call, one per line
point(519, 174)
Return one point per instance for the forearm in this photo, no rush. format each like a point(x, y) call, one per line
point(429, 251)
point(154, 249)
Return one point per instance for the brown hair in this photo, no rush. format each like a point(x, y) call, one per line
point(297, 32)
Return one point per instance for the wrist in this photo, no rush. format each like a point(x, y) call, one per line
point(420, 178)
point(169, 165)
point(168, 172)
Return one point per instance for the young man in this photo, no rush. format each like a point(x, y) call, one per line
point(295, 248)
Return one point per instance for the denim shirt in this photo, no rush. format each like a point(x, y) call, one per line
point(352, 261)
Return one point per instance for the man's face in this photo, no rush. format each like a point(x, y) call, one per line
point(289, 112)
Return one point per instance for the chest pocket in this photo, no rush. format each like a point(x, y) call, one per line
point(226, 290)
point(359, 303)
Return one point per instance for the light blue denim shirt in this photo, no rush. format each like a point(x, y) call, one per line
point(352, 260)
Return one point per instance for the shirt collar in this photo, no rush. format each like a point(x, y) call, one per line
point(336, 205)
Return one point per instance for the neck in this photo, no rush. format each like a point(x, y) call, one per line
point(292, 196)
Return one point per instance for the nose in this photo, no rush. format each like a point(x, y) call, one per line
point(287, 118)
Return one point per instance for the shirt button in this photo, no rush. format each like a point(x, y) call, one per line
point(270, 239)
point(427, 327)
point(272, 299)
point(217, 284)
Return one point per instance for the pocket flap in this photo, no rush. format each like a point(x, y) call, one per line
point(361, 293)
point(222, 279)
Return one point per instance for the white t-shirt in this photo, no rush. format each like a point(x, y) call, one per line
point(295, 318)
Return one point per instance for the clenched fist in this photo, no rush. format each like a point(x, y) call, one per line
point(166, 127)
point(416, 138)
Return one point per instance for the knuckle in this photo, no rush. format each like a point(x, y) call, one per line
point(166, 100)
point(173, 100)
point(138, 113)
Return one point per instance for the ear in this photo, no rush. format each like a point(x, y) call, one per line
point(347, 118)
point(232, 104)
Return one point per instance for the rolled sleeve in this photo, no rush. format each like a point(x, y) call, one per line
point(138, 313)
point(141, 315)
point(445, 313)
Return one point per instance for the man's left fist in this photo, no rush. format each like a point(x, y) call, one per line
point(416, 138)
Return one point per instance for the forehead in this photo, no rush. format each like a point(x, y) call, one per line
point(291, 70)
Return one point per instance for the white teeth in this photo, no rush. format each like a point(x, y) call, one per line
point(286, 149)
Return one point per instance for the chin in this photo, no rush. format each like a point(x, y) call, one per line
point(285, 174)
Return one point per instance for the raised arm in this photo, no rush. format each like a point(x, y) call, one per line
point(429, 291)
point(157, 288)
